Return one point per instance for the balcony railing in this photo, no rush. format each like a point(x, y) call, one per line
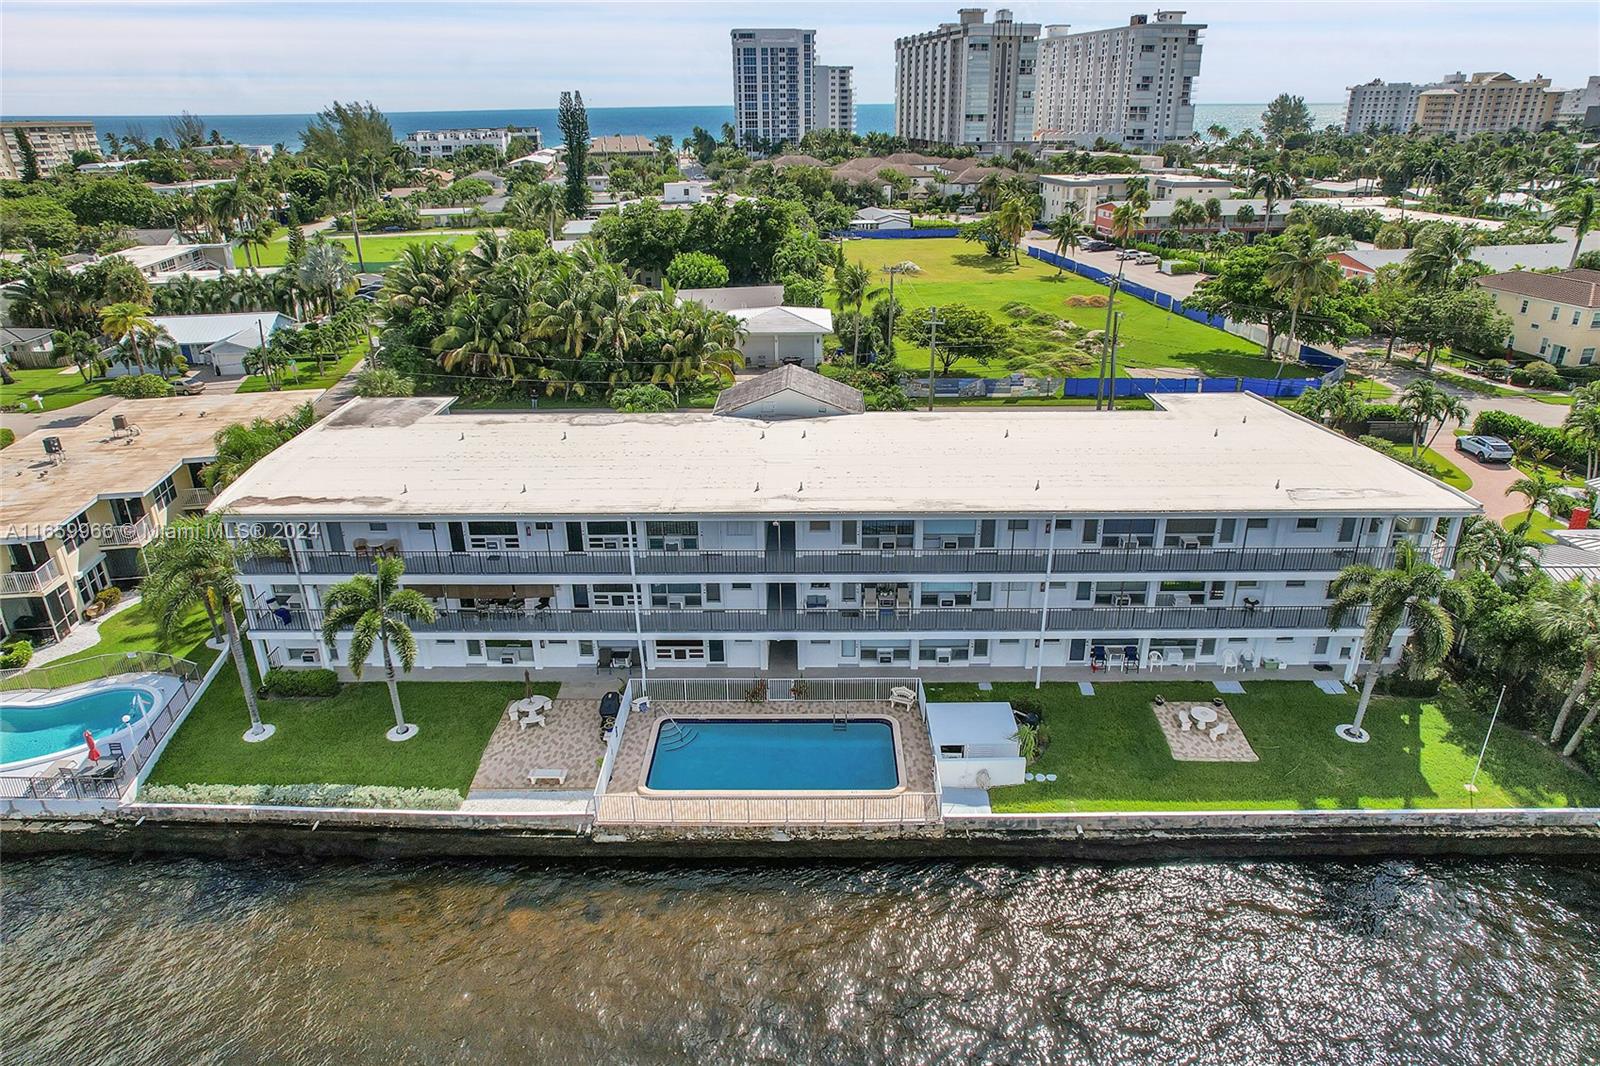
point(196, 499)
point(128, 535)
point(978, 620)
point(840, 563)
point(28, 582)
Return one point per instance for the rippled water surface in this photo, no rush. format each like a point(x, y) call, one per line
point(204, 961)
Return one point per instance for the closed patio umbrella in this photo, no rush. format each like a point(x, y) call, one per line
point(94, 751)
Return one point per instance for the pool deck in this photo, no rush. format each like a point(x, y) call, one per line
point(568, 741)
point(627, 801)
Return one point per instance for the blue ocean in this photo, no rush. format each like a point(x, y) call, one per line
point(676, 122)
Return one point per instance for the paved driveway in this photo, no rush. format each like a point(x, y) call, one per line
point(1489, 483)
point(1179, 286)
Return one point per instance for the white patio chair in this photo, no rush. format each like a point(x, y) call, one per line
point(1155, 660)
point(902, 698)
point(1230, 661)
point(1185, 723)
point(1172, 657)
point(1218, 730)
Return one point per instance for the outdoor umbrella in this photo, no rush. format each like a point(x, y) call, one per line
point(94, 752)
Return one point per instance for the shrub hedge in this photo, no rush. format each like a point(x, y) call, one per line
point(1516, 430)
point(293, 684)
point(377, 797)
point(15, 656)
point(142, 387)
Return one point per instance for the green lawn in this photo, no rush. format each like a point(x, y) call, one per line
point(957, 271)
point(308, 378)
point(134, 629)
point(1538, 531)
point(1451, 474)
point(340, 739)
point(1110, 753)
point(57, 389)
point(379, 251)
point(1529, 467)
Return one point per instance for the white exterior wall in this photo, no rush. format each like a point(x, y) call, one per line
point(967, 82)
point(1132, 84)
point(774, 84)
point(834, 100)
point(1387, 105)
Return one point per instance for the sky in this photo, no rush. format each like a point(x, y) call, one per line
point(62, 57)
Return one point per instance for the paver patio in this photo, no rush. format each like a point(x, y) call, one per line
point(569, 740)
point(1195, 745)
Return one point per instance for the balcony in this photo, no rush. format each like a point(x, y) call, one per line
point(30, 582)
point(840, 563)
point(128, 535)
point(980, 620)
point(196, 499)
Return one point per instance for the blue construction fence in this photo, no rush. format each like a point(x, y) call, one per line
point(898, 234)
point(1272, 388)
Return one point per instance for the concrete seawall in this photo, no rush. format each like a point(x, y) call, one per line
point(148, 829)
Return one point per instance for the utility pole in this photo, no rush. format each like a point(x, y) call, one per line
point(1111, 383)
point(933, 344)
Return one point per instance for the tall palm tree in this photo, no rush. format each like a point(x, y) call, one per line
point(1299, 270)
point(1440, 249)
point(1582, 424)
point(325, 270)
point(375, 610)
point(479, 338)
point(1272, 184)
point(1126, 220)
point(254, 241)
point(1413, 593)
point(198, 564)
point(1568, 616)
point(1539, 489)
point(1066, 228)
point(81, 349)
point(1013, 220)
point(1577, 209)
point(1422, 402)
point(904, 268)
point(850, 284)
point(426, 279)
point(128, 322)
point(697, 341)
point(346, 185)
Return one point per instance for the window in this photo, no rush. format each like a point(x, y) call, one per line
point(741, 529)
point(76, 531)
point(1308, 525)
point(1577, 316)
point(1017, 525)
point(819, 527)
point(93, 580)
point(383, 527)
point(680, 651)
point(1524, 309)
point(1255, 523)
point(1555, 312)
point(1295, 584)
point(1586, 357)
point(165, 492)
point(671, 536)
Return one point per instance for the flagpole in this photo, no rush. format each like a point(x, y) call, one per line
point(1472, 786)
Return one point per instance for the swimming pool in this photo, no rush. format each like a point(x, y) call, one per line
point(773, 754)
point(32, 730)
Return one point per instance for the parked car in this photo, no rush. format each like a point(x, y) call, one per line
point(1146, 259)
point(1100, 246)
point(1128, 253)
point(1489, 449)
point(189, 388)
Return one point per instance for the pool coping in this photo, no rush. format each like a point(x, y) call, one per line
point(643, 788)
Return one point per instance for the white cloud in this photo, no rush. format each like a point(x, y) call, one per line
point(135, 58)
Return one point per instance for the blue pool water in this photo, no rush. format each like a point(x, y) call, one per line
point(778, 754)
point(27, 732)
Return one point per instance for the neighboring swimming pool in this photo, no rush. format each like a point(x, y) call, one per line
point(773, 755)
point(31, 730)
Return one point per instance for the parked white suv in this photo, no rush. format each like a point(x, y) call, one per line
point(1489, 449)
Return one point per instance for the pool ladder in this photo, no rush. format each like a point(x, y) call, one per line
point(674, 735)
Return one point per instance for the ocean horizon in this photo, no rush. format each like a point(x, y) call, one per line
point(676, 121)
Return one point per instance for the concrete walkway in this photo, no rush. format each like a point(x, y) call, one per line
point(342, 390)
point(83, 637)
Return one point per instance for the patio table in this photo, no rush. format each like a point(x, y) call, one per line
point(1202, 714)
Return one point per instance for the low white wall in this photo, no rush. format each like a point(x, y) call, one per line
point(963, 773)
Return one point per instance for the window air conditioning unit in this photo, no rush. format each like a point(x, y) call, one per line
point(885, 656)
point(942, 657)
point(1122, 601)
point(947, 600)
point(675, 602)
point(887, 544)
point(672, 545)
point(950, 544)
point(508, 659)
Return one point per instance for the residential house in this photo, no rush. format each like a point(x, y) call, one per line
point(217, 341)
point(161, 263)
point(1553, 316)
point(789, 392)
point(876, 218)
point(622, 146)
point(733, 297)
point(1207, 530)
point(81, 501)
point(25, 346)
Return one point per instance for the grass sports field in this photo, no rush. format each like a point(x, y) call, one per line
point(380, 251)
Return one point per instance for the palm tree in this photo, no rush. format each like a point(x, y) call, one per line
point(1272, 184)
point(1440, 249)
point(541, 204)
point(253, 240)
point(479, 338)
point(197, 564)
point(1013, 220)
point(1066, 228)
point(1568, 616)
point(1496, 550)
point(697, 341)
point(1340, 406)
point(1422, 401)
point(82, 350)
point(426, 280)
point(1583, 426)
point(850, 283)
point(1126, 219)
point(1299, 270)
point(1577, 209)
point(1412, 593)
point(128, 322)
point(325, 270)
point(345, 184)
point(375, 609)
point(1539, 489)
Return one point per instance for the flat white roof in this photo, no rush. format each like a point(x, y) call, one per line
point(1202, 454)
point(971, 723)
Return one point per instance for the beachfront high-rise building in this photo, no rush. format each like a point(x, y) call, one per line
point(1132, 84)
point(53, 141)
point(835, 99)
point(1489, 101)
point(774, 84)
point(1382, 105)
point(967, 82)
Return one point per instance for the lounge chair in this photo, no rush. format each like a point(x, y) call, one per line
point(536, 775)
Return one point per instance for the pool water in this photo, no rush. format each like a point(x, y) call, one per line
point(773, 754)
point(28, 731)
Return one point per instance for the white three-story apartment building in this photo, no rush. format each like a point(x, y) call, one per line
point(1207, 530)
